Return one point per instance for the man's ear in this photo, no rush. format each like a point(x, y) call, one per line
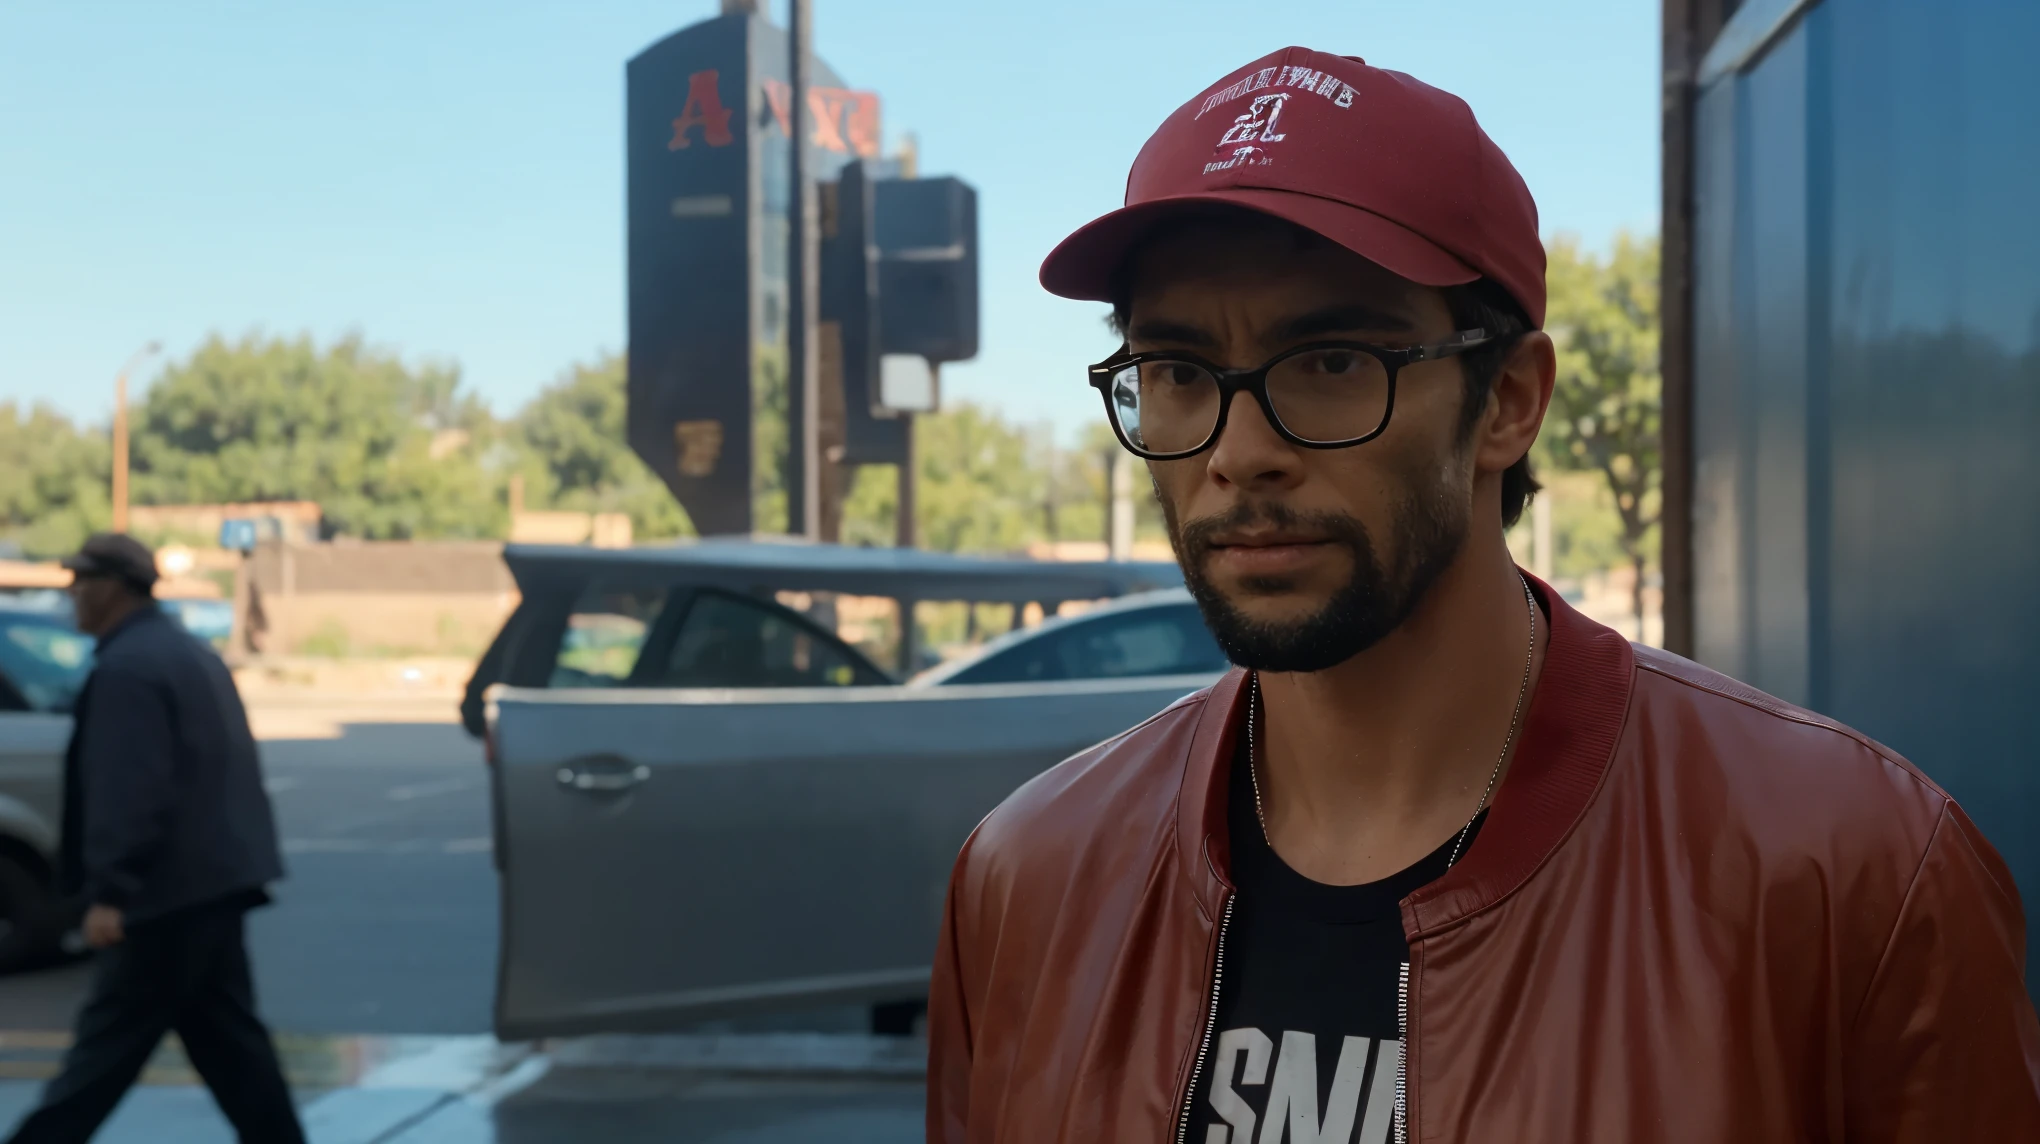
point(1517, 402)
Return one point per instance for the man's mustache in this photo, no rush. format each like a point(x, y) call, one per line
point(1198, 537)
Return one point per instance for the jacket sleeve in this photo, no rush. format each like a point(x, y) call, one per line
point(1946, 1045)
point(126, 762)
point(950, 1049)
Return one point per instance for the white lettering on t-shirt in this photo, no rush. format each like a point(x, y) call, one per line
point(1255, 1046)
point(1291, 1111)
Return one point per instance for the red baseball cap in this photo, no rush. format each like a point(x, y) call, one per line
point(1390, 168)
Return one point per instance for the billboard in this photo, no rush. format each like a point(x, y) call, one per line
point(708, 193)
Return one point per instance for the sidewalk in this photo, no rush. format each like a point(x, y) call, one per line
point(771, 1088)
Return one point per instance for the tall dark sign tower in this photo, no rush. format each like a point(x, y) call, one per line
point(708, 194)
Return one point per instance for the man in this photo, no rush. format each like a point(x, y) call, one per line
point(168, 836)
point(1446, 861)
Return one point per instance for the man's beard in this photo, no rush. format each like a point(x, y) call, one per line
point(1429, 528)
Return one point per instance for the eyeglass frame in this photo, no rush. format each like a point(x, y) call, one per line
point(1255, 381)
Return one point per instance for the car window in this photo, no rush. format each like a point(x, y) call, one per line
point(46, 661)
point(728, 641)
point(604, 634)
point(1149, 641)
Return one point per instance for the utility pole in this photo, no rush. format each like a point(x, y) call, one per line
point(1540, 537)
point(803, 381)
point(1118, 504)
point(120, 436)
point(904, 533)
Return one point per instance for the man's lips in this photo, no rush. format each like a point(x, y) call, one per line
point(1267, 552)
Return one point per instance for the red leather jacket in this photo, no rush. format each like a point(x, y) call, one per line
point(1695, 913)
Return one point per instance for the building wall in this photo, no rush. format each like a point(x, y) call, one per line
point(1866, 516)
point(376, 598)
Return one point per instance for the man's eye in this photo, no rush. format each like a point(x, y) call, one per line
point(1333, 362)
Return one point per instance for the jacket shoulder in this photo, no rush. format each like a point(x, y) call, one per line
point(138, 653)
point(1770, 756)
point(1112, 802)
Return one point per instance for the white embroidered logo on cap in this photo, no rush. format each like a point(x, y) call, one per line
point(1323, 83)
point(1255, 127)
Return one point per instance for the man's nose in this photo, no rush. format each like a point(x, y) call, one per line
point(1249, 454)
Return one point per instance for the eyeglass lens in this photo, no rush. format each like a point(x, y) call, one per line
point(1171, 406)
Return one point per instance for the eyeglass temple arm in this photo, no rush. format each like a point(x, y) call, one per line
point(1458, 343)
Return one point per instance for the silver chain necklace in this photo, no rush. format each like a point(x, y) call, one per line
point(1515, 721)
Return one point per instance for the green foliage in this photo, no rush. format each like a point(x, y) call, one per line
point(1606, 408)
point(389, 450)
point(386, 451)
point(871, 507)
point(53, 484)
point(571, 447)
point(988, 485)
point(770, 442)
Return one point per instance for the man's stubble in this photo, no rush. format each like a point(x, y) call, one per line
point(1429, 526)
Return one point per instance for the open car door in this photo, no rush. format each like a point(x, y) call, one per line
point(678, 855)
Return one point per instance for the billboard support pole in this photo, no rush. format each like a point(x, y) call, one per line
point(803, 396)
point(903, 521)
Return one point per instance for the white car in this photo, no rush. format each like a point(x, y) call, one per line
point(1149, 633)
point(43, 663)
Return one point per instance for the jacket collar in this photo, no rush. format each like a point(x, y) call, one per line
point(1568, 737)
point(144, 612)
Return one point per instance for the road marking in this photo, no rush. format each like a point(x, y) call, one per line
point(422, 790)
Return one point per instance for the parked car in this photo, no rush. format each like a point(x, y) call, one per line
point(209, 620)
point(1152, 633)
point(704, 614)
point(43, 663)
point(674, 854)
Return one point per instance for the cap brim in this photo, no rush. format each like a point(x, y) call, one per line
point(78, 564)
point(1083, 265)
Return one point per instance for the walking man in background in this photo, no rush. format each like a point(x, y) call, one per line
point(168, 837)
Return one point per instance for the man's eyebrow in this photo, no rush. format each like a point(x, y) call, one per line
point(1163, 330)
point(1341, 320)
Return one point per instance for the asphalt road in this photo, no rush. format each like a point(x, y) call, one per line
point(386, 922)
point(386, 925)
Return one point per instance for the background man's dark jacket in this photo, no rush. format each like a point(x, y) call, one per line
point(163, 800)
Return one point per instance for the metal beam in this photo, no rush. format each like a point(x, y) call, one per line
point(804, 462)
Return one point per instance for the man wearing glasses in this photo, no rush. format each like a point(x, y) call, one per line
point(1444, 860)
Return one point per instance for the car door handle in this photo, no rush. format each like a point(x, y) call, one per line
point(603, 780)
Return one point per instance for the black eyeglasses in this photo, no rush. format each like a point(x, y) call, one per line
point(1325, 395)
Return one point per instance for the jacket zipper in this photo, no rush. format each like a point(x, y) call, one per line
point(1402, 1059)
point(1210, 1022)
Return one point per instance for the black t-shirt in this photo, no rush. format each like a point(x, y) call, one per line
point(1305, 1031)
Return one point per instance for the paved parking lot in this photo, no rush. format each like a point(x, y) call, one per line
point(376, 968)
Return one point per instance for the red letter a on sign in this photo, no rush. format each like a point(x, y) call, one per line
point(704, 110)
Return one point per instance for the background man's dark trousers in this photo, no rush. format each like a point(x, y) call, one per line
point(187, 972)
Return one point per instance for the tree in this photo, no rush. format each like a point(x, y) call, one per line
point(53, 486)
point(387, 451)
point(1606, 407)
point(574, 455)
point(988, 485)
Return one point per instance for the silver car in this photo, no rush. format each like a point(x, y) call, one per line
point(676, 854)
point(43, 663)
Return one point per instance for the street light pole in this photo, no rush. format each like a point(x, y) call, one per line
point(803, 389)
point(120, 436)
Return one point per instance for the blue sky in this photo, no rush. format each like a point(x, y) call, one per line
point(446, 176)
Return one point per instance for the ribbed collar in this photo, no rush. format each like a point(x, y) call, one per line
point(1568, 737)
